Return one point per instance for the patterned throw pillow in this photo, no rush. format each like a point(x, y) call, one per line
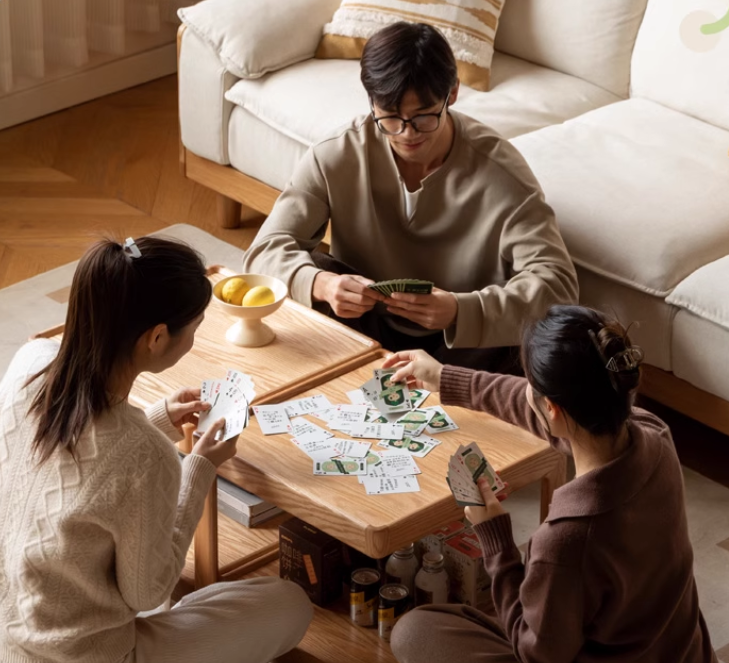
point(468, 25)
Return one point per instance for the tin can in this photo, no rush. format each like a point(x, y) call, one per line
point(394, 603)
point(363, 596)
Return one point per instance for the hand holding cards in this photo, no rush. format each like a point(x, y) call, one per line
point(465, 468)
point(229, 399)
point(416, 286)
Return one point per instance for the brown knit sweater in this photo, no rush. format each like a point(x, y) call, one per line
point(609, 574)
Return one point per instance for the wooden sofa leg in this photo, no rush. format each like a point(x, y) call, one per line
point(228, 211)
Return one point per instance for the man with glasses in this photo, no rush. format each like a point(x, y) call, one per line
point(414, 190)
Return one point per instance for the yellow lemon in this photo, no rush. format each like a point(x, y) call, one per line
point(234, 291)
point(259, 296)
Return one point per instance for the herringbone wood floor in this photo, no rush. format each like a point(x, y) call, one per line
point(108, 166)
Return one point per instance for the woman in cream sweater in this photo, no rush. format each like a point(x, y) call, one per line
point(96, 511)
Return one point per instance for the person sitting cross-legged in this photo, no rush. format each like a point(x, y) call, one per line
point(415, 190)
point(96, 510)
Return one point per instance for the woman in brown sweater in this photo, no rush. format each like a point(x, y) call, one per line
point(608, 576)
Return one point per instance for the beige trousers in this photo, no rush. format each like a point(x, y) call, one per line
point(447, 633)
point(248, 621)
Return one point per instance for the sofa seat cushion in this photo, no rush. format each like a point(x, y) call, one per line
point(640, 191)
point(701, 328)
point(706, 292)
point(309, 100)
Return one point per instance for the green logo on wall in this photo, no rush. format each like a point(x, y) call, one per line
point(700, 30)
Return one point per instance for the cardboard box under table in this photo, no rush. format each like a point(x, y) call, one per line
point(277, 471)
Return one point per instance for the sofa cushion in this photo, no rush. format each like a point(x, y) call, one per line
point(706, 292)
point(640, 191)
point(309, 100)
point(590, 40)
point(253, 37)
point(470, 29)
point(699, 355)
point(678, 66)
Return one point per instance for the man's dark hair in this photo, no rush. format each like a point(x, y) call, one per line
point(408, 56)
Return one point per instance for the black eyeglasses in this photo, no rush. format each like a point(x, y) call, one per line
point(392, 125)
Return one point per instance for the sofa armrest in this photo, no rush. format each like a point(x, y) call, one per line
point(254, 37)
point(204, 110)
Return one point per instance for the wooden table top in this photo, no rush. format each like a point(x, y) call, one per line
point(273, 468)
point(307, 346)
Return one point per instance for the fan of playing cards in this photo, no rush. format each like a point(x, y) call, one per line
point(465, 468)
point(416, 286)
point(230, 399)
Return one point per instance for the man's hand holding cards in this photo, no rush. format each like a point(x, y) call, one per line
point(465, 468)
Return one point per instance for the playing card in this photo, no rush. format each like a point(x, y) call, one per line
point(441, 421)
point(390, 485)
point(272, 419)
point(317, 449)
point(418, 396)
point(347, 415)
point(465, 467)
point(308, 405)
point(477, 465)
point(340, 466)
point(396, 463)
point(228, 402)
point(415, 421)
point(357, 397)
point(374, 416)
point(377, 431)
point(416, 446)
point(243, 382)
point(298, 426)
point(391, 397)
point(351, 448)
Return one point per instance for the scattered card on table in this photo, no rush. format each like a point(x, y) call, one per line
point(308, 405)
point(346, 415)
point(340, 466)
point(418, 396)
point(272, 419)
point(358, 397)
point(390, 485)
point(317, 449)
point(351, 448)
point(299, 426)
point(415, 421)
point(377, 431)
point(397, 463)
point(417, 446)
point(441, 421)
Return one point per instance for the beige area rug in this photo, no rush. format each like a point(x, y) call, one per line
point(40, 303)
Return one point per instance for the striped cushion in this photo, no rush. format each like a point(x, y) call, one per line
point(468, 25)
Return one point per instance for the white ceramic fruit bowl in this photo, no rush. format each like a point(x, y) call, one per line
point(250, 331)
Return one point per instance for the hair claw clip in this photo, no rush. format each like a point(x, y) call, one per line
point(131, 249)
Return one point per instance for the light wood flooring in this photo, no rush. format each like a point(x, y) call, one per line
point(110, 167)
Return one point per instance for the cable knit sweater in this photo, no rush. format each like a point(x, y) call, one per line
point(84, 547)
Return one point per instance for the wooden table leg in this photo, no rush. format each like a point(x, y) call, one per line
point(228, 211)
point(556, 478)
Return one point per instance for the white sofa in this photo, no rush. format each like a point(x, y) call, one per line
point(624, 122)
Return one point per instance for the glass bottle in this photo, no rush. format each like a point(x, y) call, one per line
point(402, 566)
point(431, 582)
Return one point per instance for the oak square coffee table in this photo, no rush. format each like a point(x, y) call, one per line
point(277, 471)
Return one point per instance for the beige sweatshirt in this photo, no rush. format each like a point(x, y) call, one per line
point(84, 547)
point(481, 229)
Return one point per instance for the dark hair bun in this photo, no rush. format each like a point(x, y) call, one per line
point(584, 362)
point(615, 344)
